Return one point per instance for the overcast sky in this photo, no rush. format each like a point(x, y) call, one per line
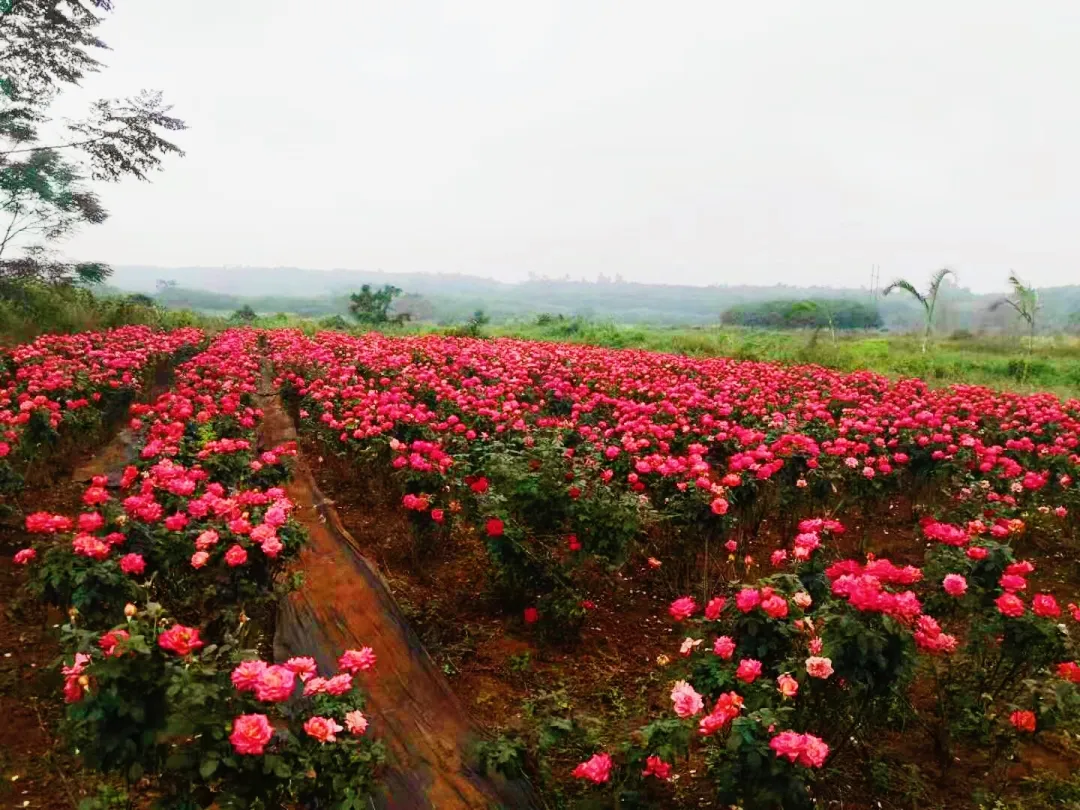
point(697, 142)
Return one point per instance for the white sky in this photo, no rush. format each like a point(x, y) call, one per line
point(691, 142)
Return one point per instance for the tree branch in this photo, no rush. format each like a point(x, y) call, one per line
point(60, 146)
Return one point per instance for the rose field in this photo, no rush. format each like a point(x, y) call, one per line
point(327, 570)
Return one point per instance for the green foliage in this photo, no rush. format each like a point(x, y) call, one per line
point(244, 315)
point(928, 300)
point(473, 327)
point(505, 755)
point(372, 307)
point(146, 710)
point(806, 314)
point(29, 309)
point(747, 772)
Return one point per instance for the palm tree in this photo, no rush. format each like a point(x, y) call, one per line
point(1025, 300)
point(928, 301)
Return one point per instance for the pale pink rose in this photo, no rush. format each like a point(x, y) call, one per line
point(818, 667)
point(356, 723)
point(689, 645)
point(687, 702)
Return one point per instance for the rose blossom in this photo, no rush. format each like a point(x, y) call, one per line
point(132, 564)
point(787, 686)
point(818, 667)
point(356, 723)
point(687, 702)
point(954, 585)
point(682, 608)
point(353, 661)
point(595, 769)
point(245, 676)
point(749, 670)
point(715, 606)
point(251, 733)
point(1010, 605)
point(322, 729)
point(654, 766)
point(303, 667)
point(180, 640)
point(339, 684)
point(275, 684)
point(1023, 721)
point(236, 555)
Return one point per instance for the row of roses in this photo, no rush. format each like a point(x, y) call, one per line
point(201, 539)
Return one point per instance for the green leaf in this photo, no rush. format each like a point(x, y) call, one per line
point(208, 767)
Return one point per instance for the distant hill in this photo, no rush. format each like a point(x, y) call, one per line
point(453, 298)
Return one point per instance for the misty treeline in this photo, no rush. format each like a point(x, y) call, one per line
point(452, 299)
point(818, 313)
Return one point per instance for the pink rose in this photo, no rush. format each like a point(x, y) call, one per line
point(236, 555)
point(724, 647)
point(251, 733)
point(132, 564)
point(303, 667)
point(954, 585)
point(322, 729)
point(595, 769)
point(818, 667)
point(275, 684)
point(245, 676)
point(682, 608)
point(356, 723)
point(353, 661)
point(339, 684)
point(687, 702)
point(749, 670)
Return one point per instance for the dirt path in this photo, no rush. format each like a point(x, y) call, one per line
point(345, 604)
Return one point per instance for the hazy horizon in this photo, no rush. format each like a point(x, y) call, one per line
point(696, 143)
